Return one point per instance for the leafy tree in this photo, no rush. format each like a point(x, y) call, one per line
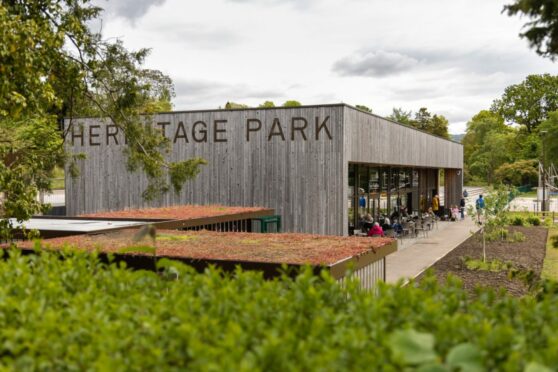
point(233, 105)
point(401, 116)
point(292, 103)
point(542, 31)
point(53, 66)
point(529, 102)
point(364, 108)
point(479, 128)
point(550, 138)
point(424, 120)
point(267, 104)
point(439, 126)
point(493, 153)
point(521, 172)
point(492, 219)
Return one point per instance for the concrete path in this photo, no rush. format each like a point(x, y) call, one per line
point(416, 255)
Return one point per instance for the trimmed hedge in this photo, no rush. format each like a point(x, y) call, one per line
point(75, 313)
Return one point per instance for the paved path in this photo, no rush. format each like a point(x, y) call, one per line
point(416, 255)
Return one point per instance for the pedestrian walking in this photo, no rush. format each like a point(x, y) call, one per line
point(479, 204)
point(462, 208)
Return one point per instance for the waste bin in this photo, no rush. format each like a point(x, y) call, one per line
point(266, 222)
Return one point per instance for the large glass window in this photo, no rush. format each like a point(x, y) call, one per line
point(385, 191)
point(351, 197)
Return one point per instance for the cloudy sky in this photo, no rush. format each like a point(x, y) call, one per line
point(453, 57)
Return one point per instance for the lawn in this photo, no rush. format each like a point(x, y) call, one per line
point(550, 266)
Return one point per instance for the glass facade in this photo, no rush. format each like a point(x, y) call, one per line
point(384, 191)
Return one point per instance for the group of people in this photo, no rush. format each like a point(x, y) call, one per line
point(376, 229)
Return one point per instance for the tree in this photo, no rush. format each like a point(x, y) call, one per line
point(364, 108)
point(529, 102)
point(401, 116)
point(488, 143)
point(53, 66)
point(422, 119)
point(267, 104)
point(550, 138)
point(292, 103)
point(234, 105)
point(439, 126)
point(519, 173)
point(542, 31)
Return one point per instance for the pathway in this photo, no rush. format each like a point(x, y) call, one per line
point(416, 255)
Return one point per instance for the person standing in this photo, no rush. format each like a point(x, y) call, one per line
point(436, 205)
point(480, 206)
point(462, 208)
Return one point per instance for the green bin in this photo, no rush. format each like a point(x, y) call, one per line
point(266, 221)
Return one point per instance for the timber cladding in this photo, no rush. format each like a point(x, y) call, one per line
point(286, 159)
point(294, 160)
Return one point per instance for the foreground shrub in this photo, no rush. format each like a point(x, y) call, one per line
point(518, 221)
point(78, 314)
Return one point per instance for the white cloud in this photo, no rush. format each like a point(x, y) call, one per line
point(453, 57)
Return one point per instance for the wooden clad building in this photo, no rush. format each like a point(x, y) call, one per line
point(320, 167)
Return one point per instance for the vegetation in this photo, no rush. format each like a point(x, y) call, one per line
point(267, 104)
point(364, 108)
point(53, 66)
point(542, 31)
point(504, 145)
point(291, 103)
point(423, 120)
point(77, 313)
point(491, 265)
point(550, 266)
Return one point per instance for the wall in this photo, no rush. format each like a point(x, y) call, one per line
point(300, 178)
point(371, 139)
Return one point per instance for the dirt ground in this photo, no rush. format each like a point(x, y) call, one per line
point(526, 255)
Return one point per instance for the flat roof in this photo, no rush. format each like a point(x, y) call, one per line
point(178, 212)
point(295, 249)
point(72, 225)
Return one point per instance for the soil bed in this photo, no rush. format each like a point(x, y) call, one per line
point(526, 255)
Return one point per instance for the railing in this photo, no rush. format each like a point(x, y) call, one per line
point(369, 268)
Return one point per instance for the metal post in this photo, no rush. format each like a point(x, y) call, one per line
point(543, 203)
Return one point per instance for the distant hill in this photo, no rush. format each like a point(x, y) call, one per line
point(457, 137)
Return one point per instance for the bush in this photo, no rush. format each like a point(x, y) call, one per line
point(534, 220)
point(517, 237)
point(79, 314)
point(518, 221)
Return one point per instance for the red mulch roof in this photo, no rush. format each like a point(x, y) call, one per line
point(180, 212)
point(250, 247)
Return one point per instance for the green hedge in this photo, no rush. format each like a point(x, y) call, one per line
point(76, 314)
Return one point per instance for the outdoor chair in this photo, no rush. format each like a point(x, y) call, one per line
point(421, 227)
point(407, 227)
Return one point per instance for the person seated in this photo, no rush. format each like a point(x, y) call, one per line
point(367, 221)
point(454, 213)
point(376, 230)
point(386, 224)
point(430, 213)
point(397, 227)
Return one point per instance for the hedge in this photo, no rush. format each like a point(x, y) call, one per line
point(75, 313)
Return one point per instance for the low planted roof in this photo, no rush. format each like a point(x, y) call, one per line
point(296, 249)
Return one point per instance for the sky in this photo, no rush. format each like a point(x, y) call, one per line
point(453, 57)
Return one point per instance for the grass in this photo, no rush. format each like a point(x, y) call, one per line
point(550, 265)
point(528, 194)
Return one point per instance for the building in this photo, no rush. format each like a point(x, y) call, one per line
point(320, 167)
